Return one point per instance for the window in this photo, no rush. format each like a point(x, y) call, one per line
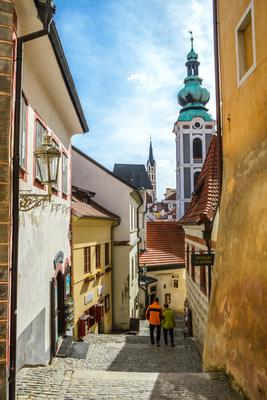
point(87, 260)
point(55, 184)
point(187, 258)
point(203, 283)
point(97, 256)
point(196, 175)
point(164, 286)
point(40, 130)
point(193, 267)
point(23, 135)
point(107, 254)
point(107, 303)
point(64, 174)
point(186, 126)
point(167, 297)
point(197, 148)
point(132, 269)
point(245, 43)
point(175, 283)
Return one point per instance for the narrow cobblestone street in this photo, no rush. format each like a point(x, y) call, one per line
point(126, 367)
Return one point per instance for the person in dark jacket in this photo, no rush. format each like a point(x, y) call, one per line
point(153, 315)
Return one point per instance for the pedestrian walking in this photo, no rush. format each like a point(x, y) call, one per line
point(168, 323)
point(154, 315)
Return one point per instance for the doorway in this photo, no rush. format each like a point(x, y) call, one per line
point(60, 305)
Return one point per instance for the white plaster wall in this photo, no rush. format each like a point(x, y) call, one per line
point(110, 192)
point(42, 233)
point(178, 295)
point(194, 167)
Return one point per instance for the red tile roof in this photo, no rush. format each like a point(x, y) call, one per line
point(205, 197)
point(165, 244)
point(172, 196)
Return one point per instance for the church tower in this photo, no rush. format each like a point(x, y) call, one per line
point(151, 170)
point(193, 132)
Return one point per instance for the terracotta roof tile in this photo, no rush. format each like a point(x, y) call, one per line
point(205, 197)
point(165, 244)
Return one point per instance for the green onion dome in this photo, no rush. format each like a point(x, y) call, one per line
point(193, 93)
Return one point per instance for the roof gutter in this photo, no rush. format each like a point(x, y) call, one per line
point(218, 93)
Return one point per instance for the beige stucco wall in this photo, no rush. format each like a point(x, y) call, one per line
point(237, 326)
point(89, 233)
point(165, 284)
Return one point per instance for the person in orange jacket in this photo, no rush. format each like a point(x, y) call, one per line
point(154, 315)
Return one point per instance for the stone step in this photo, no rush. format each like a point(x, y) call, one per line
point(145, 386)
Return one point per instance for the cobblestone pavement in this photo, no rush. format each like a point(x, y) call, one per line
point(126, 367)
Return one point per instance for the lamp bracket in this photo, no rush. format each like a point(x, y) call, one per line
point(28, 201)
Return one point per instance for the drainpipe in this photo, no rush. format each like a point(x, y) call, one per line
point(15, 207)
point(138, 244)
point(114, 225)
point(218, 92)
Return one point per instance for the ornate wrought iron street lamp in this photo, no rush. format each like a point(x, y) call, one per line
point(47, 163)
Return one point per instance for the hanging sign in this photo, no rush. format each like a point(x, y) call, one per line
point(202, 260)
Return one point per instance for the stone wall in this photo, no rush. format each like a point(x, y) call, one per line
point(6, 73)
point(237, 323)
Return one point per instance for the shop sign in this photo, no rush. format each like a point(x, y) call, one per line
point(100, 290)
point(67, 285)
point(88, 297)
point(202, 260)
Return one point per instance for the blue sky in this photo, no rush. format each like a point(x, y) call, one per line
point(127, 59)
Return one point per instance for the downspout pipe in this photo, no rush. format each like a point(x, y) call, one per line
point(218, 92)
point(15, 208)
point(114, 225)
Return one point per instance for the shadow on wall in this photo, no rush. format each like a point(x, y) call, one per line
point(31, 344)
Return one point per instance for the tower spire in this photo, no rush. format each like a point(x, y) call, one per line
point(151, 157)
point(192, 39)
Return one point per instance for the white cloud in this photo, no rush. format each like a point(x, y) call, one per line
point(140, 77)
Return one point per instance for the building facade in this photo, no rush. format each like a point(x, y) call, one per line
point(125, 201)
point(200, 223)
point(193, 131)
point(44, 251)
point(237, 323)
point(36, 90)
point(6, 105)
point(91, 265)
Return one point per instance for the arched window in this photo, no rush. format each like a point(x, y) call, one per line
point(197, 148)
point(196, 175)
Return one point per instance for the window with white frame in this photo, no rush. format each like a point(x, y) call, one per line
point(40, 131)
point(54, 163)
point(23, 135)
point(245, 44)
point(64, 174)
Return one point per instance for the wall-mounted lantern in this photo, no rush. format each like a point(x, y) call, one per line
point(47, 164)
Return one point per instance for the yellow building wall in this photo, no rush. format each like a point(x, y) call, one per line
point(237, 325)
point(89, 233)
